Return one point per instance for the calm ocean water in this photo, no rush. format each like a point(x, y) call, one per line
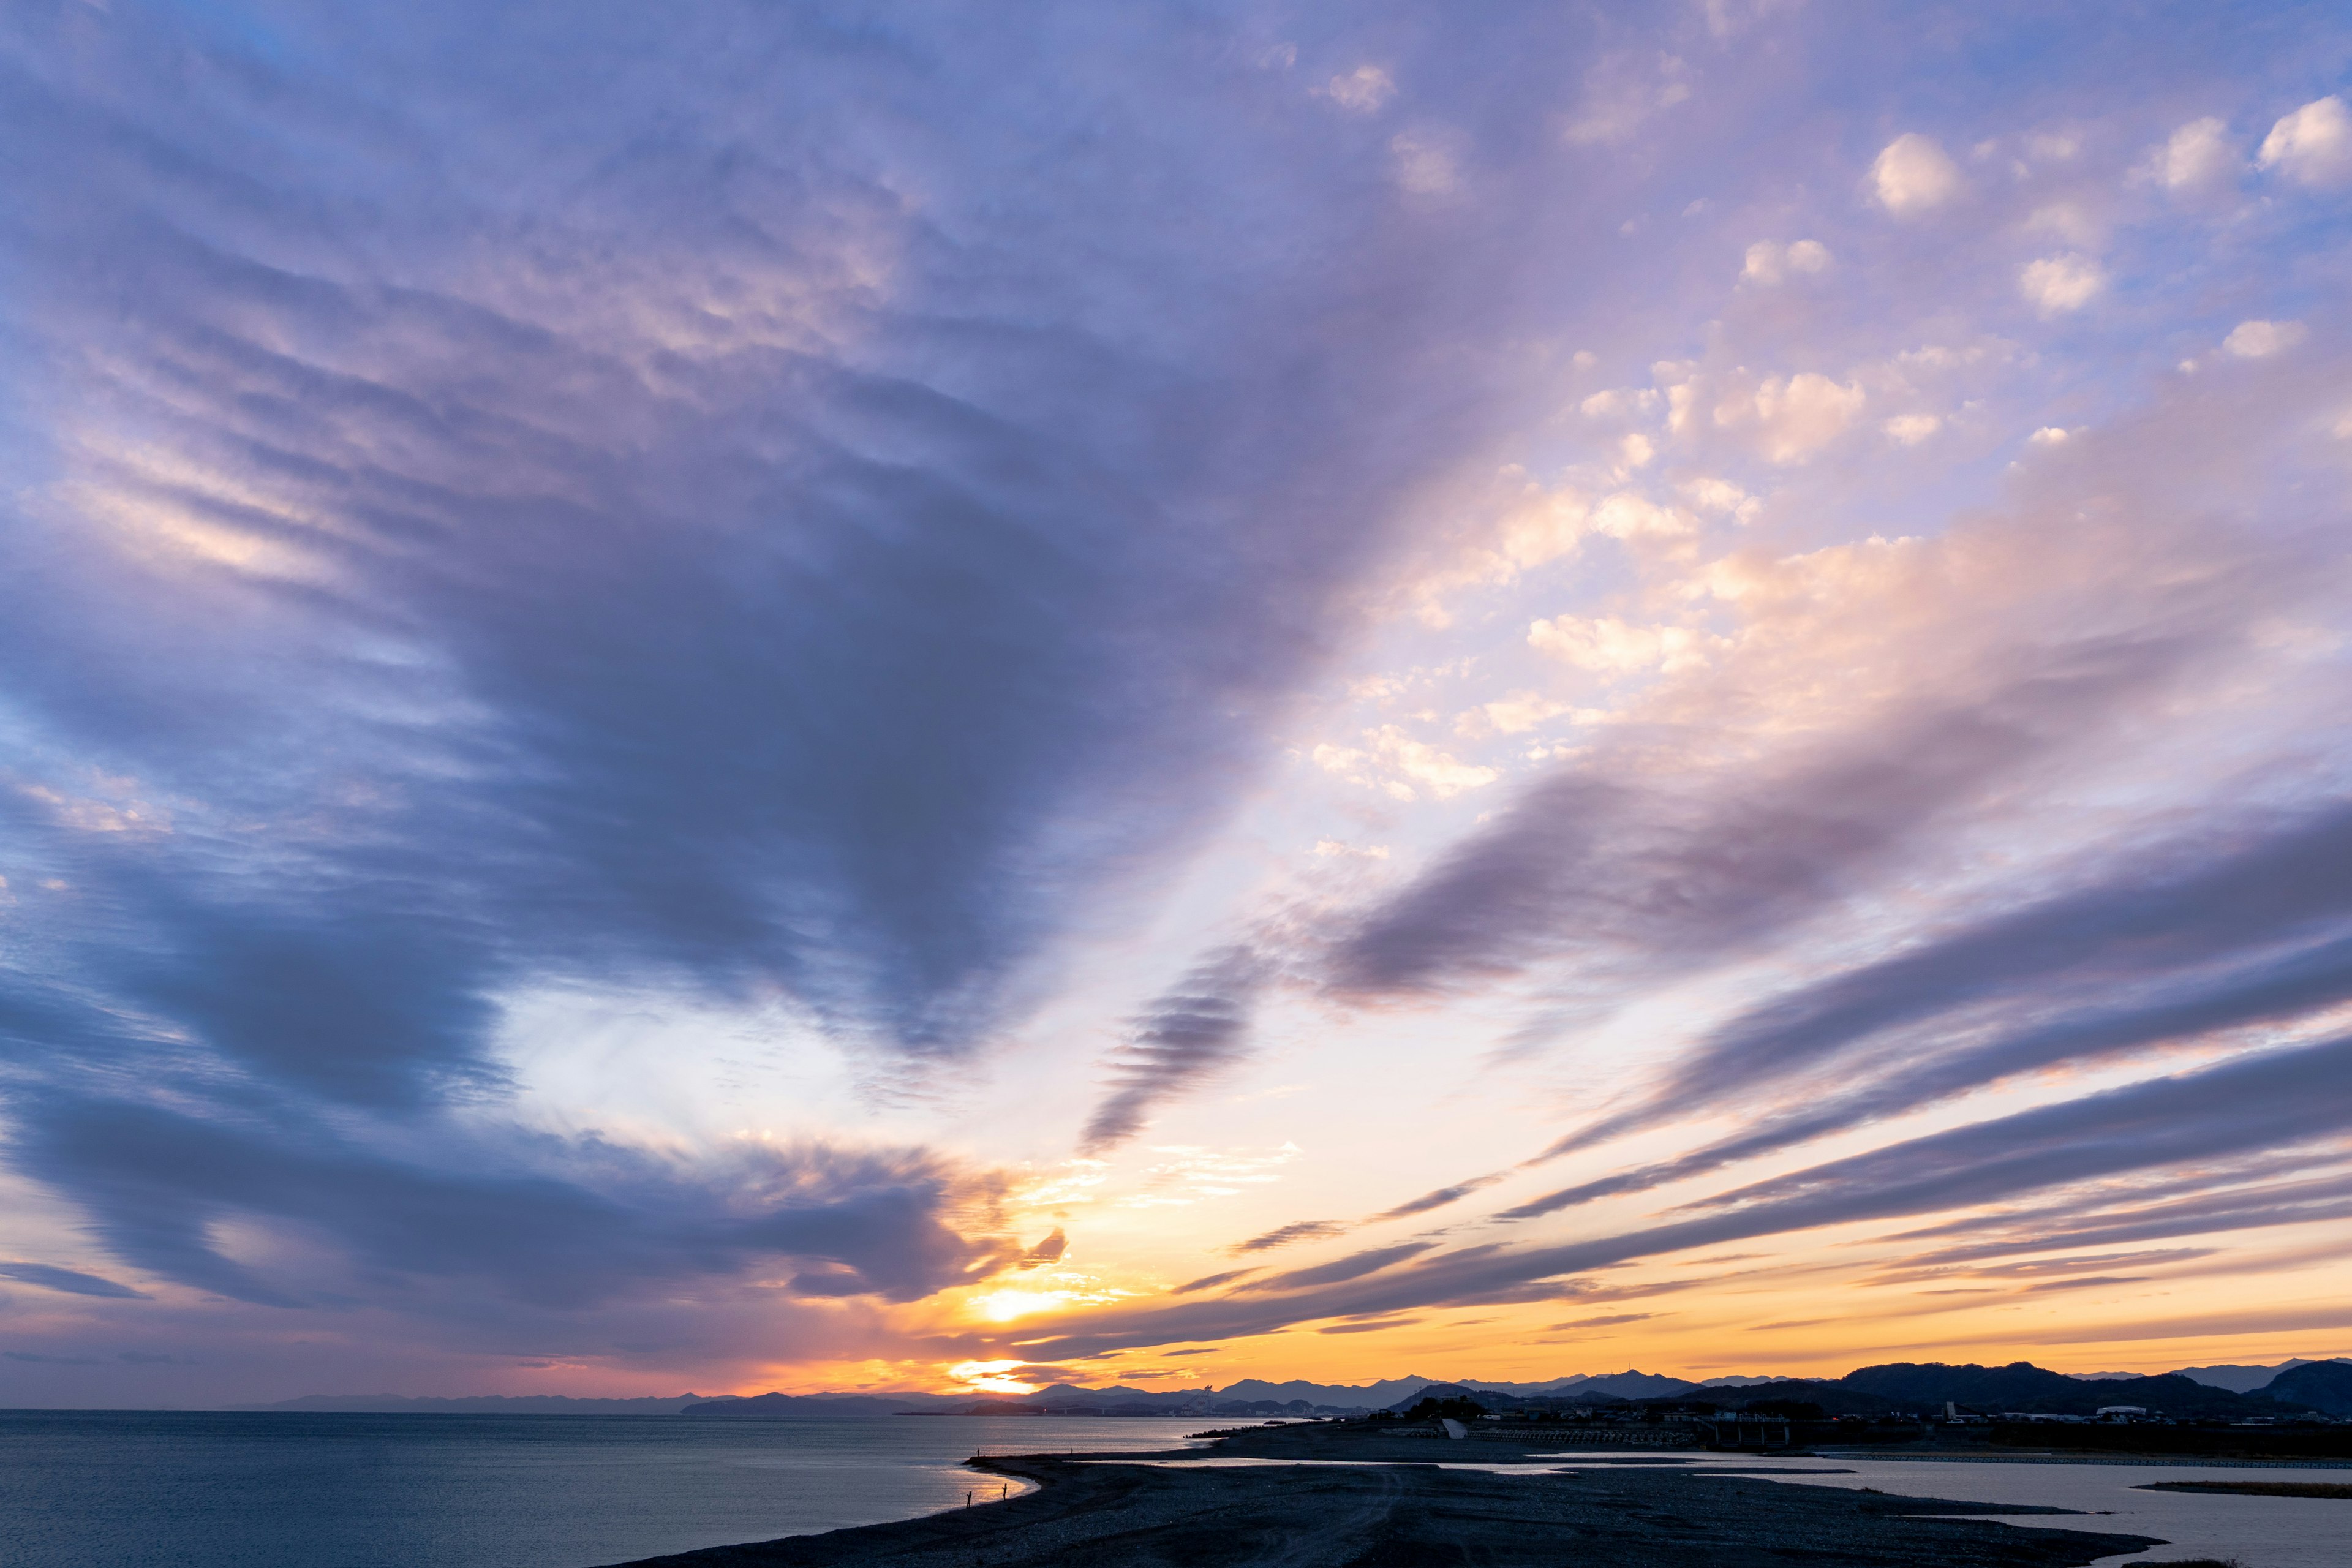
point(139, 1490)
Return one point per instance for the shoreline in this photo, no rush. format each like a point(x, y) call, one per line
point(1377, 1499)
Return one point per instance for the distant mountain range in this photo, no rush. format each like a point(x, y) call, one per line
point(2301, 1385)
point(2019, 1388)
point(2236, 1379)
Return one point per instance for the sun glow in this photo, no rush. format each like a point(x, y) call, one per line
point(989, 1376)
point(1004, 1306)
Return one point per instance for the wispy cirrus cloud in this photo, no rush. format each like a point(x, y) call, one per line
point(2269, 1100)
point(1187, 1034)
point(1284, 1236)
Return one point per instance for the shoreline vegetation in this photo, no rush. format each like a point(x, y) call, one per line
point(1351, 1496)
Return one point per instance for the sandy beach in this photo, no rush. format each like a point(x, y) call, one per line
point(1390, 1500)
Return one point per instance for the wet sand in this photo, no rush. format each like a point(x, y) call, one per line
point(1392, 1506)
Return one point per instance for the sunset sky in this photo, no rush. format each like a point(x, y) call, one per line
point(743, 696)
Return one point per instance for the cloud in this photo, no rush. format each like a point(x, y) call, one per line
point(1913, 175)
point(1608, 647)
point(2261, 340)
point(1189, 1036)
point(1049, 1250)
point(707, 536)
point(1371, 1328)
point(1441, 1197)
point(1210, 1281)
point(2196, 156)
point(2312, 146)
point(1353, 1266)
point(1910, 429)
point(1803, 414)
point(1298, 1230)
point(1401, 757)
point(2274, 1100)
point(2140, 1213)
point(72, 1281)
point(1363, 90)
point(2232, 930)
point(1665, 874)
point(1623, 91)
point(1768, 262)
point(635, 555)
point(2259, 1101)
point(580, 1224)
point(1428, 160)
point(2058, 284)
point(791, 528)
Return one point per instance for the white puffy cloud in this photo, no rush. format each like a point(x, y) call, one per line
point(1910, 429)
point(1913, 175)
point(2051, 436)
point(1626, 515)
point(1607, 646)
point(1389, 752)
point(1545, 525)
point(2056, 284)
point(1801, 414)
point(1440, 773)
point(1768, 261)
point(2197, 155)
point(1723, 495)
point(1363, 91)
point(2312, 146)
point(2259, 340)
point(1515, 714)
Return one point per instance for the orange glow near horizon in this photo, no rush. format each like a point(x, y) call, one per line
point(989, 1377)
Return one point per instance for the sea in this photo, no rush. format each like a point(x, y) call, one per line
point(275, 1489)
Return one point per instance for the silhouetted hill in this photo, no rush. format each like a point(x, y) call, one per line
point(1834, 1397)
point(2022, 1386)
point(1366, 1396)
point(2322, 1385)
point(2238, 1379)
point(1633, 1385)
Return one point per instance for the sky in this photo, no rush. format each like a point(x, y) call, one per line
point(735, 697)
